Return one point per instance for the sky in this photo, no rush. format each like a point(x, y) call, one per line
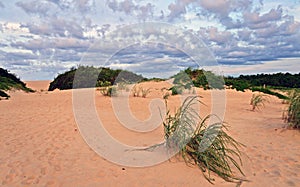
point(41, 38)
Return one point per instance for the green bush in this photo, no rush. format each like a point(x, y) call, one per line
point(89, 77)
point(176, 90)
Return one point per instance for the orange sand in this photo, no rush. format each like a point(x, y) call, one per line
point(41, 146)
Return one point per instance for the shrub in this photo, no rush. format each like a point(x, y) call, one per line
point(257, 101)
point(103, 83)
point(176, 90)
point(3, 94)
point(292, 116)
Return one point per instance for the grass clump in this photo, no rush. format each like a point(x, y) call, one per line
point(292, 115)
point(136, 91)
point(108, 91)
point(140, 91)
point(145, 92)
point(207, 146)
point(257, 101)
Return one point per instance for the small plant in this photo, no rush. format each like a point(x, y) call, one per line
point(292, 115)
point(103, 83)
point(140, 91)
point(145, 92)
point(176, 90)
point(208, 147)
point(166, 95)
point(257, 101)
point(136, 91)
point(108, 91)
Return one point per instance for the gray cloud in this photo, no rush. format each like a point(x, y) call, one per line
point(254, 20)
point(39, 7)
point(58, 27)
point(177, 8)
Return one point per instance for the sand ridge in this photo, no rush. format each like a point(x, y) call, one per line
point(41, 145)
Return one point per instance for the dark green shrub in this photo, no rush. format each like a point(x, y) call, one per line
point(3, 94)
point(176, 90)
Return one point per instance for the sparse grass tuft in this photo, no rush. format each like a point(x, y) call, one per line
point(292, 115)
point(257, 101)
point(136, 91)
point(140, 91)
point(108, 91)
point(145, 92)
point(208, 147)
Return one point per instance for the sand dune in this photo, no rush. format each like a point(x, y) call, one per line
point(42, 146)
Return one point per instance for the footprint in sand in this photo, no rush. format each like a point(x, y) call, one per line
point(43, 170)
point(10, 177)
point(30, 180)
point(57, 168)
point(101, 173)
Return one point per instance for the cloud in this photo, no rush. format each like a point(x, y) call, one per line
point(219, 7)
point(2, 5)
point(291, 65)
point(130, 8)
point(177, 9)
point(55, 43)
point(39, 7)
point(56, 27)
point(254, 20)
point(151, 60)
point(238, 32)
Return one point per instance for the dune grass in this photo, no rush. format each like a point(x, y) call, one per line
point(292, 115)
point(257, 101)
point(145, 91)
point(207, 146)
point(139, 91)
point(108, 91)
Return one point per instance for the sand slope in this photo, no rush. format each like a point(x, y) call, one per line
point(41, 145)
